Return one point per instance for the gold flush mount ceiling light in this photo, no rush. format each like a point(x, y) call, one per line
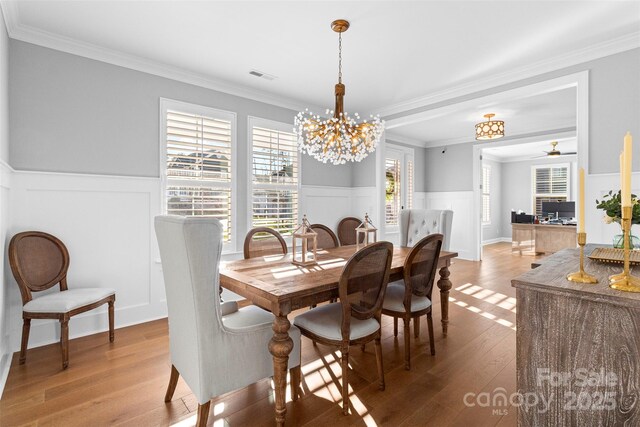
point(491, 129)
point(340, 138)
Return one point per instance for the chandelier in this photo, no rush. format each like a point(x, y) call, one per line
point(491, 129)
point(340, 138)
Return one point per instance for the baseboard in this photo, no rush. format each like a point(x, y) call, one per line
point(496, 240)
point(5, 364)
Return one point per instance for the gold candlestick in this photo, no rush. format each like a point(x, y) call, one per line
point(625, 281)
point(581, 276)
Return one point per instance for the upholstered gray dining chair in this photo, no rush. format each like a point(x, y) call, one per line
point(214, 346)
point(415, 224)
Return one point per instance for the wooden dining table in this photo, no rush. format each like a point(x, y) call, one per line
point(275, 284)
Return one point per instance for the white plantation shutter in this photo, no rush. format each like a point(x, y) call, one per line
point(486, 194)
point(275, 176)
point(198, 163)
point(393, 193)
point(550, 184)
point(410, 184)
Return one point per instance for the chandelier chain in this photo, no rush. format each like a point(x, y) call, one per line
point(339, 57)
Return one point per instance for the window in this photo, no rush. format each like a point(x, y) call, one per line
point(275, 176)
point(198, 162)
point(550, 184)
point(399, 168)
point(486, 194)
point(392, 186)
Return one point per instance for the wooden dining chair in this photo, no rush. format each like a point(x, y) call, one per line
point(355, 319)
point(347, 230)
point(326, 238)
point(38, 262)
point(410, 297)
point(263, 241)
point(216, 347)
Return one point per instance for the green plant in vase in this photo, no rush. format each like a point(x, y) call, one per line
point(611, 204)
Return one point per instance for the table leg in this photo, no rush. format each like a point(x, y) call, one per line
point(444, 284)
point(280, 346)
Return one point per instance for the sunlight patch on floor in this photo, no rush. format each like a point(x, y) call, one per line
point(483, 313)
point(487, 295)
point(187, 422)
point(218, 408)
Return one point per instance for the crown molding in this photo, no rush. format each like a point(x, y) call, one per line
point(541, 159)
point(390, 137)
point(27, 34)
point(579, 56)
point(491, 158)
point(559, 133)
point(522, 138)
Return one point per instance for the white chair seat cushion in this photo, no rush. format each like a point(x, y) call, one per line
point(254, 319)
point(247, 318)
point(326, 322)
point(394, 299)
point(65, 301)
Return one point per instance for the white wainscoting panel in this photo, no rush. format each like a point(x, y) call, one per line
point(6, 350)
point(461, 203)
point(363, 200)
point(107, 224)
point(325, 205)
point(420, 200)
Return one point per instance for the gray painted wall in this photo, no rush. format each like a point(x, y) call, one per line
point(4, 91)
point(494, 229)
point(5, 350)
point(516, 186)
point(614, 108)
point(364, 173)
point(451, 170)
point(73, 114)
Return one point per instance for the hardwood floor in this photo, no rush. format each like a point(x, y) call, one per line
point(123, 383)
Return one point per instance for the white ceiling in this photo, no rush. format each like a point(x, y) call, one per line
point(531, 150)
point(535, 114)
point(394, 51)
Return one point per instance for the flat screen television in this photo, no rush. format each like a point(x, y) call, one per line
point(564, 209)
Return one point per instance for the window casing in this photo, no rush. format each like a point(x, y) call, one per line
point(550, 184)
point(198, 163)
point(274, 184)
point(486, 194)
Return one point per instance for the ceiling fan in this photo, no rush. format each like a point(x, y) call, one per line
point(555, 152)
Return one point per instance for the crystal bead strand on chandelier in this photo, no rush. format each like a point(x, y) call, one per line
point(341, 138)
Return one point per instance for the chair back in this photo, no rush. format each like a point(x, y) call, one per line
point(347, 230)
point(263, 241)
point(38, 261)
point(326, 238)
point(420, 267)
point(190, 250)
point(415, 224)
point(366, 274)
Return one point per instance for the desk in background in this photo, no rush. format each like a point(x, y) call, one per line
point(542, 238)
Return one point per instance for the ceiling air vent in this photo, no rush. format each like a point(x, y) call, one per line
point(262, 75)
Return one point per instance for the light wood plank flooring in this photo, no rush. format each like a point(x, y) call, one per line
point(124, 383)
